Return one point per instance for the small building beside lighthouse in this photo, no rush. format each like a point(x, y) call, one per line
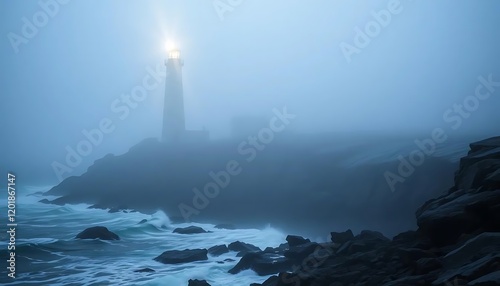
point(174, 121)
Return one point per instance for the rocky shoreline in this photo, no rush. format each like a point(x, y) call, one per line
point(457, 242)
point(341, 178)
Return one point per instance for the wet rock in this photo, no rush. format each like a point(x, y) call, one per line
point(294, 240)
point(239, 246)
point(472, 270)
point(189, 230)
point(144, 270)
point(478, 246)
point(445, 219)
point(491, 279)
point(196, 282)
point(301, 251)
point(262, 263)
point(342, 237)
point(98, 232)
point(182, 256)
point(218, 250)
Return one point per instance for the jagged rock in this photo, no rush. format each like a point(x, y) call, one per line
point(478, 246)
point(262, 263)
point(372, 236)
point(189, 230)
point(44, 201)
point(301, 251)
point(280, 249)
point(427, 264)
point(182, 256)
point(417, 280)
point(365, 241)
point(294, 240)
point(271, 281)
point(479, 162)
point(243, 247)
point(472, 270)
point(144, 270)
point(491, 279)
point(218, 250)
point(443, 220)
point(342, 237)
point(196, 282)
point(97, 232)
point(414, 254)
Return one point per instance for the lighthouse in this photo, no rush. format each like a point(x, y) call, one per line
point(174, 123)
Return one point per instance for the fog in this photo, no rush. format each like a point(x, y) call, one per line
point(240, 62)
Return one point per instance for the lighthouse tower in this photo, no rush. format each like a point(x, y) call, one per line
point(174, 124)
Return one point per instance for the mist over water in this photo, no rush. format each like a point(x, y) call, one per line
point(321, 117)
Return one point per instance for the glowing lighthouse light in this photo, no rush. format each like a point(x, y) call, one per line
point(172, 50)
point(174, 54)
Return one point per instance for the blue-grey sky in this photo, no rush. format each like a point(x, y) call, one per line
point(244, 59)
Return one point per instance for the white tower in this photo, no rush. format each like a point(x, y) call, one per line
point(174, 124)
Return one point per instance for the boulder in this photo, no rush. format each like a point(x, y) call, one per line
point(262, 263)
point(471, 271)
point(189, 230)
point(342, 237)
point(300, 252)
point(182, 256)
point(196, 282)
point(97, 232)
point(294, 240)
point(144, 270)
point(271, 281)
point(491, 279)
point(372, 236)
point(239, 246)
point(218, 250)
point(478, 246)
point(280, 249)
point(445, 219)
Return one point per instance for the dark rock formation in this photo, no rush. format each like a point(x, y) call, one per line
point(242, 247)
point(262, 263)
point(301, 251)
point(218, 250)
point(189, 230)
point(357, 193)
point(457, 241)
point(44, 201)
point(342, 237)
point(98, 232)
point(144, 270)
point(196, 282)
point(294, 240)
point(182, 256)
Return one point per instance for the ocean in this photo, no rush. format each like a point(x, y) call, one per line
point(47, 252)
